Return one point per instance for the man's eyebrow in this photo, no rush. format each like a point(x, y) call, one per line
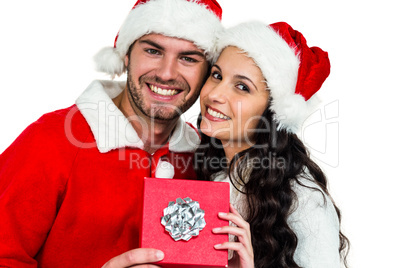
point(183, 53)
point(151, 43)
point(192, 52)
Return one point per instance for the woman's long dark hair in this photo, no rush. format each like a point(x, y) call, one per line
point(268, 189)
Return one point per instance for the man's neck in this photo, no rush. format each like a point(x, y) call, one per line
point(153, 133)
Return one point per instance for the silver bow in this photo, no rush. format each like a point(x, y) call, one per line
point(183, 219)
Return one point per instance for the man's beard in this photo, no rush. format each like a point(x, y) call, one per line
point(160, 111)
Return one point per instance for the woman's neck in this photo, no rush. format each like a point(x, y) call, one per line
point(233, 148)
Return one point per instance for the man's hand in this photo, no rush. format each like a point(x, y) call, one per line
point(139, 257)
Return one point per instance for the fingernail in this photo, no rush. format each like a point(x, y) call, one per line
point(216, 229)
point(159, 255)
point(222, 214)
point(218, 246)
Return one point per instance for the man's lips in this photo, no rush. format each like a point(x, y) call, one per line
point(164, 91)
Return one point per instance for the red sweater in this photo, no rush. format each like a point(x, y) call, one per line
point(65, 204)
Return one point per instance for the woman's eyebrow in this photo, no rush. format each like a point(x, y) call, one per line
point(217, 67)
point(238, 76)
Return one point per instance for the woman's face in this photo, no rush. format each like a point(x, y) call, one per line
point(233, 99)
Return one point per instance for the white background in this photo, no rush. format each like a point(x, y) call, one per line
point(46, 54)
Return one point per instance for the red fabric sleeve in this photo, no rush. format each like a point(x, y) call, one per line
point(31, 189)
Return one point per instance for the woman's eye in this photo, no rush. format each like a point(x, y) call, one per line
point(216, 75)
point(243, 87)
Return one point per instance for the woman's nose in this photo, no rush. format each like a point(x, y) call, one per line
point(218, 93)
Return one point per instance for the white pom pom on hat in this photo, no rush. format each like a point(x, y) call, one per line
point(194, 20)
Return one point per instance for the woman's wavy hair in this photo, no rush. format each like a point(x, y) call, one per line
point(268, 189)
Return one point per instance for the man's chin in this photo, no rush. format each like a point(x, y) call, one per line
point(164, 116)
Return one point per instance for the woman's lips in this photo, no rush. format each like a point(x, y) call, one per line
point(215, 115)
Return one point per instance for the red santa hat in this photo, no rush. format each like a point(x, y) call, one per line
point(194, 20)
point(293, 71)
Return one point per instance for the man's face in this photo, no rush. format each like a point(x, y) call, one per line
point(165, 75)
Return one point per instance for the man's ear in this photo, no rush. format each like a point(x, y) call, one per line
point(126, 60)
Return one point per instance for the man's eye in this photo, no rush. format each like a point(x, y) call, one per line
point(216, 75)
point(152, 51)
point(188, 59)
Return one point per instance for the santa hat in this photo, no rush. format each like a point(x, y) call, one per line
point(293, 71)
point(194, 20)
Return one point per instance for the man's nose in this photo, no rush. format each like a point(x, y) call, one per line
point(167, 70)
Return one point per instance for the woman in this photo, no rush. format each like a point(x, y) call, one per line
point(260, 91)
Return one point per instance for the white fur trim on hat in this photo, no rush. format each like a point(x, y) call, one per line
point(279, 65)
point(184, 19)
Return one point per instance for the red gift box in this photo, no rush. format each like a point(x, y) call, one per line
point(199, 251)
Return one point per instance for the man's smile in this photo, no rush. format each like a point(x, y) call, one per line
point(164, 91)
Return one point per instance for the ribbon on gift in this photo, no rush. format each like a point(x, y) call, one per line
point(183, 219)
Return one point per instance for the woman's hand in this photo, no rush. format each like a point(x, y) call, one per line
point(244, 249)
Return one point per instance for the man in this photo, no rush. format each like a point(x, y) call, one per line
point(71, 184)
